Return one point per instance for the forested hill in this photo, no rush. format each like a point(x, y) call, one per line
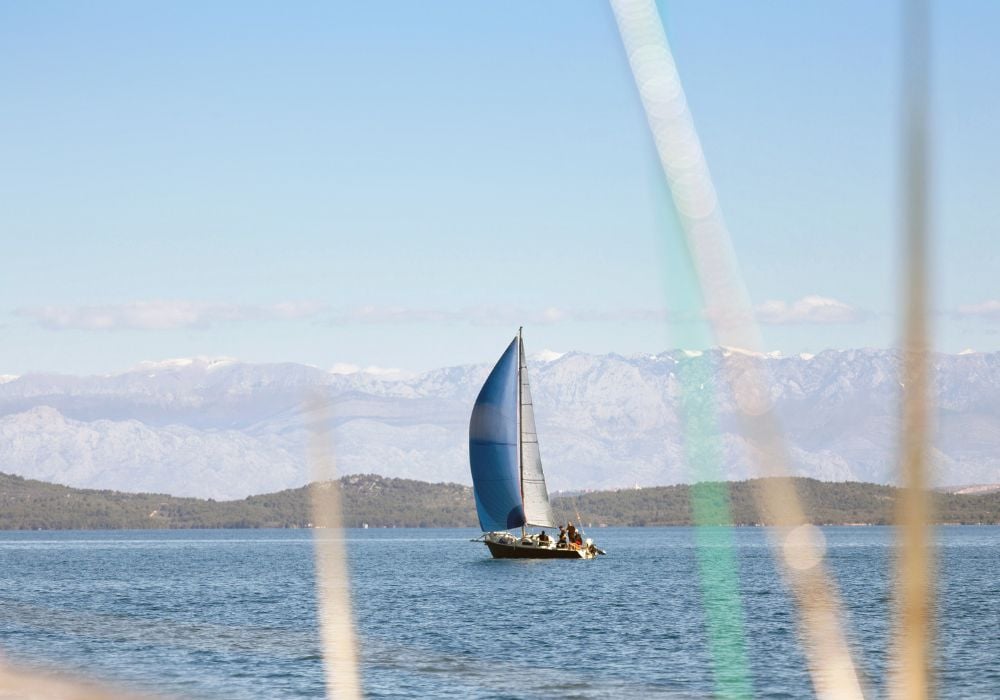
point(28, 504)
point(382, 502)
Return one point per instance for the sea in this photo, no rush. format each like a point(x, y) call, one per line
point(232, 613)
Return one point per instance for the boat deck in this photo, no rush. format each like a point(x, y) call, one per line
point(503, 545)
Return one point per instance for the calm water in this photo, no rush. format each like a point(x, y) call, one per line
point(231, 614)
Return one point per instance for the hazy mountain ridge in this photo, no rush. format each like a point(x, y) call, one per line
point(226, 429)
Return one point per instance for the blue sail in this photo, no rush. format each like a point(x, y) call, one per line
point(493, 448)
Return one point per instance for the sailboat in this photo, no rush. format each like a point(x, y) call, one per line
point(506, 464)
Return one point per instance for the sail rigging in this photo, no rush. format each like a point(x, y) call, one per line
point(537, 509)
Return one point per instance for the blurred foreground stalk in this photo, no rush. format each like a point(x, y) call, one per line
point(798, 546)
point(911, 671)
point(333, 594)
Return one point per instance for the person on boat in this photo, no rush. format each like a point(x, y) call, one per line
point(544, 538)
point(578, 539)
point(571, 532)
point(562, 537)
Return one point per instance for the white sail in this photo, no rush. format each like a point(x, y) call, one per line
point(537, 510)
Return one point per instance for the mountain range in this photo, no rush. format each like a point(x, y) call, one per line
point(221, 428)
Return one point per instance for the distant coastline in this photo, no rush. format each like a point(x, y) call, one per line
point(376, 502)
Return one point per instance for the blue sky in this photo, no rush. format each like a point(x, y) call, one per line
point(401, 184)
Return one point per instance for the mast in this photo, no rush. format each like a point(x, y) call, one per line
point(520, 442)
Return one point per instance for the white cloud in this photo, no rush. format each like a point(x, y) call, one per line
point(989, 309)
point(476, 315)
point(808, 310)
point(498, 315)
point(391, 315)
point(163, 315)
point(174, 314)
point(291, 309)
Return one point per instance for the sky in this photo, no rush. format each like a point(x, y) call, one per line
point(401, 185)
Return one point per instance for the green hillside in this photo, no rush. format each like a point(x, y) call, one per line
point(382, 502)
point(32, 505)
point(826, 503)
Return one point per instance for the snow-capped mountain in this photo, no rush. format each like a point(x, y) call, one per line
point(226, 429)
